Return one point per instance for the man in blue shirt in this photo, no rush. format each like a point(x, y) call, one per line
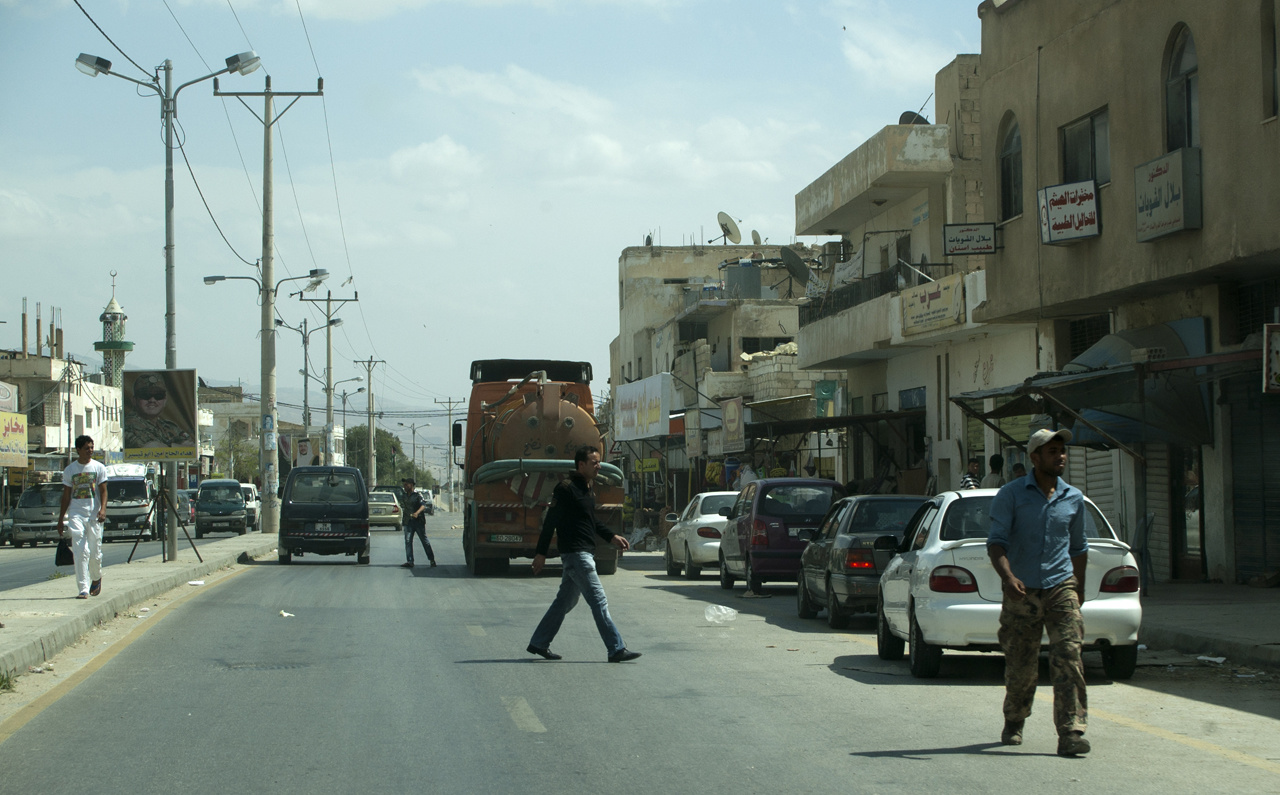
point(1038, 546)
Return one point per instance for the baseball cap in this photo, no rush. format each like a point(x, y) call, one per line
point(1041, 437)
point(409, 481)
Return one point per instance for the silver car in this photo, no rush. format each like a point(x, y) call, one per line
point(694, 541)
point(940, 591)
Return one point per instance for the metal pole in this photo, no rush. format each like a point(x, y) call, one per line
point(373, 459)
point(328, 378)
point(169, 108)
point(306, 381)
point(270, 428)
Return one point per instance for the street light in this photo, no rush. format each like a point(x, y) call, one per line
point(91, 65)
point(267, 430)
point(413, 458)
point(306, 364)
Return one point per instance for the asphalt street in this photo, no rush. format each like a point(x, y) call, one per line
point(384, 679)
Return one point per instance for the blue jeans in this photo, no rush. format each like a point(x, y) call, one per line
point(420, 530)
point(579, 579)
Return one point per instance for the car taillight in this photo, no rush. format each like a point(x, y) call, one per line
point(952, 579)
point(859, 559)
point(1124, 579)
point(759, 534)
point(395, 509)
point(708, 532)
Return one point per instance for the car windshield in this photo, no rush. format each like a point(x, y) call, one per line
point(883, 516)
point(220, 494)
point(42, 496)
point(969, 518)
point(381, 496)
point(247, 493)
point(713, 504)
point(325, 487)
point(126, 490)
point(797, 500)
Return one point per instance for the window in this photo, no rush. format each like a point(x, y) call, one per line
point(1084, 333)
point(758, 344)
point(88, 418)
point(1010, 171)
point(1270, 64)
point(1182, 93)
point(1086, 149)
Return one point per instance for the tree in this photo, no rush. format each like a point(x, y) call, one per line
point(393, 464)
point(235, 455)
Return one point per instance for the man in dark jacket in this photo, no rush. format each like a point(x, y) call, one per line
point(415, 524)
point(572, 518)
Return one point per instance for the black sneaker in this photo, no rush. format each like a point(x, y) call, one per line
point(433, 564)
point(406, 565)
point(544, 653)
point(623, 655)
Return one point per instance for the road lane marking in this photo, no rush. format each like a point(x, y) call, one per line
point(38, 705)
point(475, 630)
point(522, 714)
point(1182, 739)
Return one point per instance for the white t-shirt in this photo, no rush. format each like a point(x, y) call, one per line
point(84, 479)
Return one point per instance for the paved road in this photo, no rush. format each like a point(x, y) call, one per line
point(27, 566)
point(388, 680)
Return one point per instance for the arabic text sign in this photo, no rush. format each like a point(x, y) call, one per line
point(1167, 192)
point(734, 438)
point(159, 417)
point(1069, 212)
point(13, 439)
point(960, 239)
point(643, 408)
point(934, 305)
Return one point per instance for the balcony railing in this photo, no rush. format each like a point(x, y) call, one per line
point(868, 288)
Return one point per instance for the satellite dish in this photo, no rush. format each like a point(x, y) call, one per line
point(911, 117)
point(755, 237)
point(729, 228)
point(795, 266)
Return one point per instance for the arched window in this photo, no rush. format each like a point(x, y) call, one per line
point(1010, 170)
point(1182, 93)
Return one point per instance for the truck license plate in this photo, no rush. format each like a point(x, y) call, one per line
point(322, 527)
point(506, 539)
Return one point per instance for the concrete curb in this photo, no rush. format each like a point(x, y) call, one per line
point(1192, 643)
point(22, 646)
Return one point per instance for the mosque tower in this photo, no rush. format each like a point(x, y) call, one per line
point(113, 344)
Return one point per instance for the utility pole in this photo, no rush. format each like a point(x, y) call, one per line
point(267, 431)
point(373, 459)
point(328, 367)
point(449, 403)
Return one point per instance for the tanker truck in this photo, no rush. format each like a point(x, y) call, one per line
point(525, 420)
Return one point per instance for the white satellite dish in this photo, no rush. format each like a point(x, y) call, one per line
point(755, 238)
point(728, 229)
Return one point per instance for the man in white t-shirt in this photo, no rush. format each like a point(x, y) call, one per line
point(84, 509)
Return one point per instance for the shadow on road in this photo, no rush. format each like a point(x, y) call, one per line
point(925, 754)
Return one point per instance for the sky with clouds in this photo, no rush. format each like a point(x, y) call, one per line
point(474, 168)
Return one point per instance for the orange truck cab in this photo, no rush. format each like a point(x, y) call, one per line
point(525, 420)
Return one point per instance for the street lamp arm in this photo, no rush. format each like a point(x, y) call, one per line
point(154, 85)
point(216, 279)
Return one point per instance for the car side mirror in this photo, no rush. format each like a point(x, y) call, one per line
point(671, 517)
point(886, 544)
point(725, 512)
point(807, 534)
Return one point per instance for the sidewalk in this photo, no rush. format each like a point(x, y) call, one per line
point(1232, 621)
point(40, 620)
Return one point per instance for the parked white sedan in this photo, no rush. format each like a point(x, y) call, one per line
point(694, 541)
point(940, 591)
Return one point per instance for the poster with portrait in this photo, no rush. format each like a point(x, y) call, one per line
point(306, 451)
point(159, 415)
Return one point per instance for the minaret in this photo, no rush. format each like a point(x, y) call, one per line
point(113, 345)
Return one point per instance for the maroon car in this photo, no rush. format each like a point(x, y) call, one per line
point(762, 540)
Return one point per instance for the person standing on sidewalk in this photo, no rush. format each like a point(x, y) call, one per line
point(84, 509)
point(1038, 546)
point(572, 518)
point(415, 523)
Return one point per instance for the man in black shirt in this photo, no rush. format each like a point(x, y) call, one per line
point(415, 523)
point(572, 518)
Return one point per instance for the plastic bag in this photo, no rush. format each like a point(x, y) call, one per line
point(719, 614)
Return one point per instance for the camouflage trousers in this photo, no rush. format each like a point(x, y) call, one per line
point(1023, 621)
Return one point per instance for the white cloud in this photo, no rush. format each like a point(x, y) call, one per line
point(519, 89)
point(442, 160)
point(891, 51)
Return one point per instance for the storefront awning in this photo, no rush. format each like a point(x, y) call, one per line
point(774, 428)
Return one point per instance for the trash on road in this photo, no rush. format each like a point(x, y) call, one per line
point(719, 614)
point(195, 582)
point(283, 614)
point(1215, 660)
point(144, 610)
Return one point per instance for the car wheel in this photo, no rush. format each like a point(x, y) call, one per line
point(755, 583)
point(362, 560)
point(726, 579)
point(925, 659)
point(34, 544)
point(285, 558)
point(888, 645)
point(673, 568)
point(244, 530)
point(805, 608)
point(1119, 661)
point(691, 572)
point(836, 619)
point(199, 533)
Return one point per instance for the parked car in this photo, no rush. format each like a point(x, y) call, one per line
point(35, 519)
point(220, 508)
point(840, 568)
point(186, 508)
point(762, 540)
point(940, 591)
point(384, 511)
point(325, 511)
point(429, 501)
point(252, 505)
point(693, 542)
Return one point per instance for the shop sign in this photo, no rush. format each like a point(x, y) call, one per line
point(13, 439)
point(961, 239)
point(1069, 212)
point(934, 305)
point(643, 408)
point(1167, 192)
point(734, 437)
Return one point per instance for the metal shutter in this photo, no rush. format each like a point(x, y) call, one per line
point(1255, 465)
point(1158, 542)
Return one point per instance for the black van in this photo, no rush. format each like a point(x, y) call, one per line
point(324, 511)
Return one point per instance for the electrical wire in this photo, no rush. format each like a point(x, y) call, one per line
point(112, 43)
point(284, 150)
point(208, 209)
point(242, 30)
